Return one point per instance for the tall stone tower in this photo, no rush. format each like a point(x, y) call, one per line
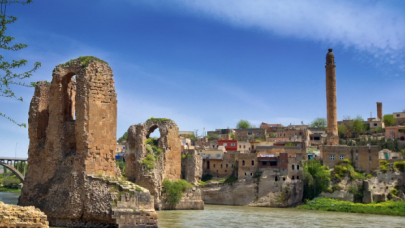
point(333, 137)
point(379, 111)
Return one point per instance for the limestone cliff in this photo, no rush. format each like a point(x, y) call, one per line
point(260, 192)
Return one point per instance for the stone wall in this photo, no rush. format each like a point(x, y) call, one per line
point(72, 131)
point(16, 216)
point(364, 158)
point(191, 166)
point(166, 166)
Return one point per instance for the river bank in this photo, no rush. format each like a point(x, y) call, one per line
point(396, 208)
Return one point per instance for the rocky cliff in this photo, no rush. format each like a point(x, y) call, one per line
point(260, 192)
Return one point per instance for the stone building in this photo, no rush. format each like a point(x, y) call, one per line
point(399, 118)
point(364, 158)
point(316, 136)
point(220, 167)
point(395, 132)
point(294, 133)
point(251, 134)
point(72, 129)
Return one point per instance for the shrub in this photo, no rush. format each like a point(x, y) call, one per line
point(316, 179)
point(11, 182)
point(173, 190)
point(400, 165)
point(149, 162)
point(206, 177)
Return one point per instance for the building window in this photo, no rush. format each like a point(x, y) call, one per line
point(225, 144)
point(226, 165)
point(375, 125)
point(214, 165)
point(276, 178)
point(357, 158)
point(292, 178)
point(218, 155)
point(249, 132)
point(332, 157)
point(243, 162)
point(221, 166)
point(240, 146)
point(245, 174)
point(341, 157)
point(369, 151)
point(300, 133)
point(253, 162)
point(283, 178)
point(251, 174)
point(298, 167)
point(369, 158)
point(292, 167)
point(244, 146)
point(397, 115)
point(225, 170)
point(233, 144)
point(213, 146)
point(298, 177)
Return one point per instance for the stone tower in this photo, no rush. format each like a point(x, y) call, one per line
point(333, 137)
point(379, 111)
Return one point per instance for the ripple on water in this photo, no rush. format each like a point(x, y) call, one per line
point(237, 216)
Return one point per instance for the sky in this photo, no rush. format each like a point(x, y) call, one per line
point(207, 64)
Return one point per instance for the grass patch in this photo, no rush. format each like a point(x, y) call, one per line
point(230, 179)
point(385, 208)
point(345, 167)
point(84, 61)
point(5, 189)
point(158, 119)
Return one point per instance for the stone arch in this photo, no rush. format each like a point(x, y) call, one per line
point(13, 170)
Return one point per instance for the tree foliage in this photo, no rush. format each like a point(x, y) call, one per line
point(316, 179)
point(389, 120)
point(319, 123)
point(173, 190)
point(358, 125)
point(9, 77)
point(124, 137)
point(243, 124)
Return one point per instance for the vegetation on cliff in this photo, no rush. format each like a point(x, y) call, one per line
point(84, 61)
point(158, 119)
point(384, 208)
point(153, 153)
point(173, 190)
point(124, 137)
point(316, 179)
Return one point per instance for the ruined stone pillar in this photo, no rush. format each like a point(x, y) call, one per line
point(379, 111)
point(333, 138)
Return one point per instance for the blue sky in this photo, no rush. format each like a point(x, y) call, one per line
point(209, 63)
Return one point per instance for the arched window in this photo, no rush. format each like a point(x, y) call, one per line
point(276, 178)
point(253, 162)
point(298, 167)
point(243, 162)
point(292, 167)
point(245, 174)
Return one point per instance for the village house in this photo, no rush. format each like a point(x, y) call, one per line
point(364, 158)
point(399, 118)
point(251, 134)
point(316, 136)
point(395, 132)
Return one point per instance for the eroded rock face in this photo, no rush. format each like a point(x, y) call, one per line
point(260, 192)
point(166, 166)
point(72, 130)
point(192, 166)
point(16, 216)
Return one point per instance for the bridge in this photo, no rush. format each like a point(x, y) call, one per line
point(9, 164)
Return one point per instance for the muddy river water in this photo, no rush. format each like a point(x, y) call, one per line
point(236, 216)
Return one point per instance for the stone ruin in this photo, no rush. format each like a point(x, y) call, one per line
point(72, 175)
point(167, 164)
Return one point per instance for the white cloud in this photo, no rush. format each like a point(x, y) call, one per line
point(363, 25)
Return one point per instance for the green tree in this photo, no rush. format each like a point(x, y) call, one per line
point(389, 120)
point(243, 124)
point(8, 77)
point(212, 136)
point(124, 137)
point(358, 125)
point(319, 123)
point(316, 179)
point(233, 136)
point(342, 129)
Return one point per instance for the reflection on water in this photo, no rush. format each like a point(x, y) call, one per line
point(9, 197)
point(236, 216)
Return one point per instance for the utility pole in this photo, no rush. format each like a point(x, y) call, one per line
point(16, 150)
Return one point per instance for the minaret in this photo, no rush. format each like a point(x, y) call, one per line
point(333, 137)
point(379, 111)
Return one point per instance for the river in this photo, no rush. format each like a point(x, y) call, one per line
point(238, 216)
